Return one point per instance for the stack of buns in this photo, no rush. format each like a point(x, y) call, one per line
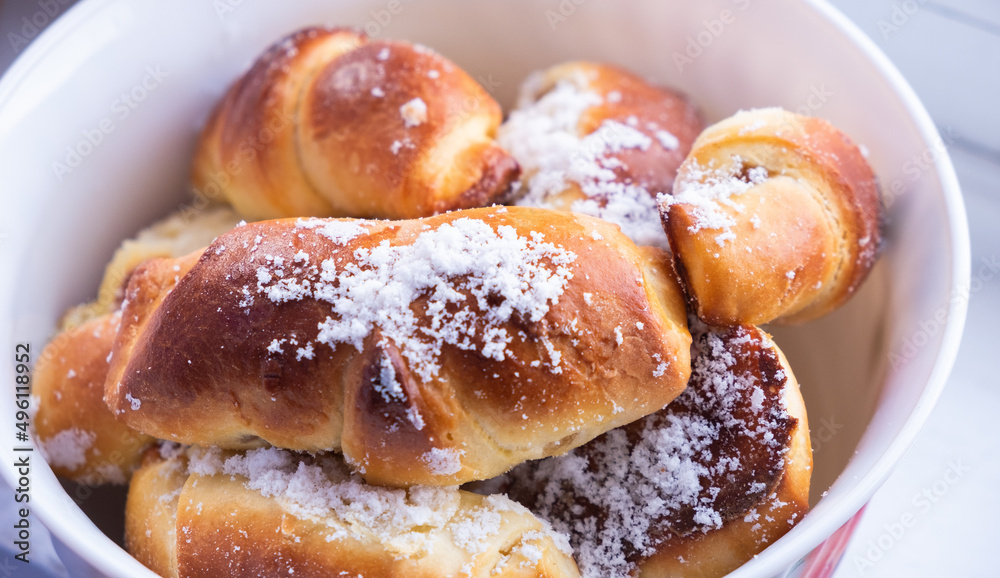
point(305, 395)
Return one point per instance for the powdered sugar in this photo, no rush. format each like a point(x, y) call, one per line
point(471, 531)
point(304, 352)
point(707, 189)
point(325, 491)
point(405, 521)
point(661, 470)
point(339, 231)
point(414, 112)
point(459, 267)
point(134, 403)
point(667, 140)
point(544, 137)
point(68, 448)
point(387, 384)
point(443, 462)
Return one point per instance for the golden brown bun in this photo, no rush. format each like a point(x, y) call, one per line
point(697, 489)
point(773, 215)
point(83, 440)
point(312, 519)
point(330, 123)
point(176, 235)
point(596, 139)
point(79, 435)
point(576, 331)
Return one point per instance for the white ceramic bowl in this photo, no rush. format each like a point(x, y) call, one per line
point(99, 116)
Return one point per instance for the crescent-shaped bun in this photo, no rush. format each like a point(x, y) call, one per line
point(433, 351)
point(271, 513)
point(330, 123)
point(773, 215)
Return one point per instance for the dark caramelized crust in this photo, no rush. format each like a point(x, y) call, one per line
point(761, 462)
point(568, 337)
point(773, 216)
point(319, 126)
point(695, 489)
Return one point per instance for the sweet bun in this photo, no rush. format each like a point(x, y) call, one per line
point(696, 489)
point(432, 351)
point(596, 139)
point(774, 216)
point(328, 122)
point(266, 513)
point(80, 438)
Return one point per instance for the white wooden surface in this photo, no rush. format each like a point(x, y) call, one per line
point(939, 513)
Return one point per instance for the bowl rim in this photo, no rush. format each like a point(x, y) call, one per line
point(797, 544)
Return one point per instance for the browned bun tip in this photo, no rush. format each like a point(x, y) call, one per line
point(774, 216)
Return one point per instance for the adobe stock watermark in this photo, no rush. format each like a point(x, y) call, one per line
point(383, 17)
point(917, 166)
point(823, 433)
point(32, 26)
point(121, 109)
point(819, 95)
point(248, 151)
point(988, 269)
point(564, 10)
point(224, 8)
point(711, 30)
point(374, 26)
point(921, 503)
point(899, 16)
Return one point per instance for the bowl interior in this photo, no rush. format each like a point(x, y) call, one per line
point(99, 118)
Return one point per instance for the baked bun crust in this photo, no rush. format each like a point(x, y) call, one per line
point(433, 351)
point(773, 215)
point(330, 123)
point(596, 139)
point(81, 439)
point(268, 514)
point(696, 489)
